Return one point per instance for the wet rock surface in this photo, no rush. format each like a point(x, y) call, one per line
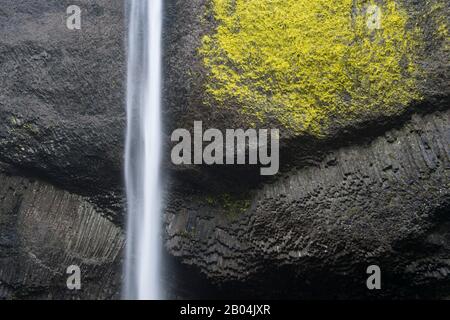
point(62, 92)
point(44, 230)
point(187, 77)
point(374, 192)
point(62, 119)
point(312, 232)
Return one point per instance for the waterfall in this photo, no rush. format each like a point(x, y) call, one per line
point(143, 150)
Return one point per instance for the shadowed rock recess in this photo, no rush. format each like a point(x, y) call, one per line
point(366, 187)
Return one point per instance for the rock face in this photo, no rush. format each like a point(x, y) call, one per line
point(300, 66)
point(44, 231)
point(62, 93)
point(62, 118)
point(368, 190)
point(363, 193)
point(312, 232)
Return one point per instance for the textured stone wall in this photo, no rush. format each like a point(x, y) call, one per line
point(338, 205)
point(313, 231)
point(44, 230)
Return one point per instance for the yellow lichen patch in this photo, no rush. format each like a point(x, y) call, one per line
point(309, 63)
point(439, 14)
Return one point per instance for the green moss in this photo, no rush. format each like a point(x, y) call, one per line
point(210, 200)
point(188, 234)
point(235, 207)
point(310, 64)
point(31, 128)
point(439, 14)
point(13, 121)
point(443, 30)
point(19, 125)
point(232, 205)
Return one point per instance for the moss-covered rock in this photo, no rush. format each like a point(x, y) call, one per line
point(310, 63)
point(307, 67)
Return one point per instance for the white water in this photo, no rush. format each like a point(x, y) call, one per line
point(143, 150)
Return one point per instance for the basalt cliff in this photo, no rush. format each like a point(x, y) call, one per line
point(364, 119)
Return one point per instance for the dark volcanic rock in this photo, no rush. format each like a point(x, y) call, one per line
point(313, 231)
point(186, 77)
point(62, 120)
point(44, 230)
point(62, 110)
point(360, 197)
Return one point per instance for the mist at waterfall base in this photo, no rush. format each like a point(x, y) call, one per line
point(143, 151)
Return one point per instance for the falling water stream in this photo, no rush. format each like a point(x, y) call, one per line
point(143, 150)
